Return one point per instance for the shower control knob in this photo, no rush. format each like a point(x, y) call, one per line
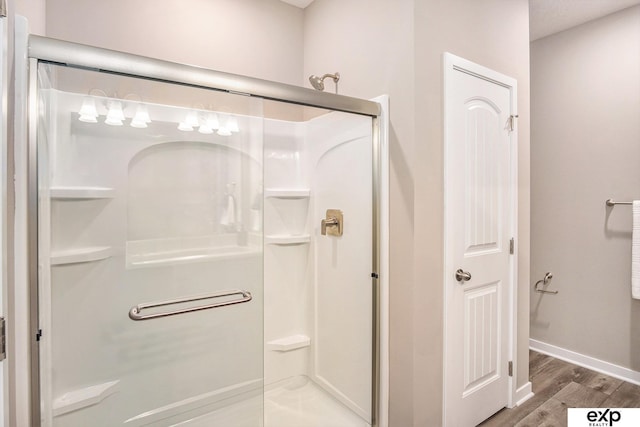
point(462, 276)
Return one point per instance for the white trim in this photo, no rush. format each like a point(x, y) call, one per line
point(4, 133)
point(523, 394)
point(450, 63)
point(383, 197)
point(585, 361)
point(19, 303)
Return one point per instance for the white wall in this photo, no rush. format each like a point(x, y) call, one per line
point(35, 11)
point(585, 85)
point(251, 37)
point(396, 47)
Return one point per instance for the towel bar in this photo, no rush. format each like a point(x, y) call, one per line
point(611, 202)
point(134, 313)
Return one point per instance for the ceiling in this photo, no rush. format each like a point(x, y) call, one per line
point(299, 3)
point(548, 17)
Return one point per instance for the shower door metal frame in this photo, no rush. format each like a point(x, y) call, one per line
point(49, 50)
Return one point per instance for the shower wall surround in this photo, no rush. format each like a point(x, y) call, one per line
point(131, 220)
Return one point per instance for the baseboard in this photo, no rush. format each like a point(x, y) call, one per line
point(523, 394)
point(588, 362)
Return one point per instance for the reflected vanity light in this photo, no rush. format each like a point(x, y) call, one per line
point(210, 124)
point(115, 115)
point(205, 129)
point(227, 125)
point(190, 121)
point(232, 124)
point(88, 112)
point(141, 119)
point(223, 131)
point(185, 127)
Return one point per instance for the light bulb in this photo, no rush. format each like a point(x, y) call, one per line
point(186, 127)
point(138, 124)
point(192, 119)
point(212, 121)
point(205, 129)
point(223, 131)
point(88, 112)
point(141, 117)
point(232, 124)
point(115, 115)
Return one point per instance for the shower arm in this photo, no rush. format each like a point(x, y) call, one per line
point(318, 82)
point(335, 77)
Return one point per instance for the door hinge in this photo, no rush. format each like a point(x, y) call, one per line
point(512, 246)
point(512, 124)
point(375, 275)
point(510, 368)
point(3, 340)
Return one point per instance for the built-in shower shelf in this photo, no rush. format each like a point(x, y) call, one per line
point(77, 255)
point(284, 193)
point(83, 398)
point(80, 193)
point(286, 239)
point(187, 256)
point(289, 343)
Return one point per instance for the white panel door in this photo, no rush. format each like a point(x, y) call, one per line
point(479, 226)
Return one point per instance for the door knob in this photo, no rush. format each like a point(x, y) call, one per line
point(462, 276)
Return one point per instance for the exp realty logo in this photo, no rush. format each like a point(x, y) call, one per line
point(603, 417)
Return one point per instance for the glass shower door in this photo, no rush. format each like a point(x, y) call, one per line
point(150, 252)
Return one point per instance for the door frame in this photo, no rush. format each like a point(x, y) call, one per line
point(453, 64)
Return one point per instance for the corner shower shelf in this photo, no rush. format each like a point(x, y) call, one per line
point(283, 193)
point(86, 254)
point(80, 193)
point(287, 239)
point(83, 398)
point(292, 342)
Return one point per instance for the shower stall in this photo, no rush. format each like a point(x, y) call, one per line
point(204, 249)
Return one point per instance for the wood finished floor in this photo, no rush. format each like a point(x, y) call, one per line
point(559, 385)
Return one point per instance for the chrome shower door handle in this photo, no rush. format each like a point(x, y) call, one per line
point(462, 276)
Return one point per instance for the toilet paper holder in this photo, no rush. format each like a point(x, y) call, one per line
point(544, 281)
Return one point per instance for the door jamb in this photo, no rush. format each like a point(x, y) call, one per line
point(453, 63)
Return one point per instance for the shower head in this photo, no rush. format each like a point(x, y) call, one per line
point(547, 277)
point(318, 82)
